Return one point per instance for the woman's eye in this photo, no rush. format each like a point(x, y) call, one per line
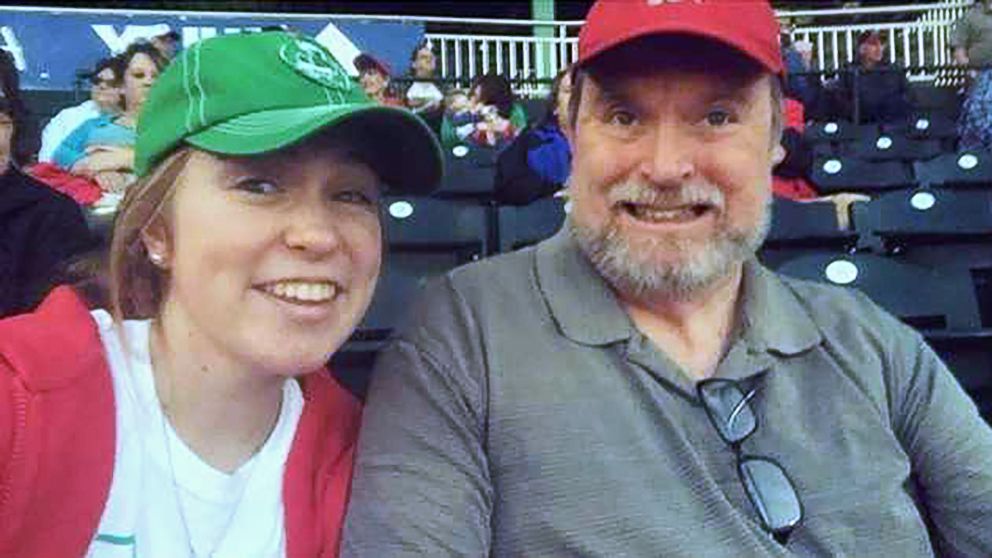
point(356, 196)
point(718, 117)
point(257, 186)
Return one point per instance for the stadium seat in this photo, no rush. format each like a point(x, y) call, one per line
point(895, 147)
point(924, 126)
point(838, 130)
point(850, 174)
point(964, 169)
point(932, 99)
point(805, 223)
point(469, 172)
point(928, 215)
point(425, 238)
point(521, 226)
point(925, 298)
point(798, 228)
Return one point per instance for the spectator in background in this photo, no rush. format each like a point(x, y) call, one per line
point(105, 99)
point(799, 83)
point(971, 38)
point(537, 163)
point(102, 149)
point(495, 118)
point(167, 44)
point(39, 228)
point(423, 96)
point(373, 75)
point(879, 87)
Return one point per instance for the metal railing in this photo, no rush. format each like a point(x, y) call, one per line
point(916, 35)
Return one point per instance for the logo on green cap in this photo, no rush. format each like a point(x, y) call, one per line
point(312, 61)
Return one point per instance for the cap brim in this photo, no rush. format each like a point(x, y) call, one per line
point(402, 148)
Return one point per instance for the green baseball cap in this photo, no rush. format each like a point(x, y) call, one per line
point(253, 93)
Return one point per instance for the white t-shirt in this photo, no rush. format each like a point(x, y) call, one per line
point(424, 92)
point(226, 515)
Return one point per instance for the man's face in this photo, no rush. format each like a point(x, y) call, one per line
point(671, 169)
point(871, 51)
point(104, 92)
point(6, 136)
point(424, 63)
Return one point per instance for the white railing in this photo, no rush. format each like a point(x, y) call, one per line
point(921, 39)
point(529, 50)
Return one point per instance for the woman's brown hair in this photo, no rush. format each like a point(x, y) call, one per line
point(136, 285)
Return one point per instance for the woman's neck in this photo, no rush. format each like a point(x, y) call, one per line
point(222, 410)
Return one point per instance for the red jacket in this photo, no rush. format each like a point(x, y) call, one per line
point(57, 440)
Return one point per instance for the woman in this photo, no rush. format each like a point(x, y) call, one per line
point(538, 162)
point(102, 149)
point(188, 420)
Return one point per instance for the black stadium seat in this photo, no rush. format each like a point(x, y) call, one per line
point(924, 126)
point(469, 172)
point(964, 169)
point(425, 238)
point(925, 298)
point(929, 215)
point(850, 174)
point(838, 130)
point(521, 226)
point(895, 147)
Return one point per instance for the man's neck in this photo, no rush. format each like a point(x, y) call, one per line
point(223, 410)
point(694, 332)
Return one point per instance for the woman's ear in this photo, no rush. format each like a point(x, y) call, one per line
point(157, 243)
point(778, 154)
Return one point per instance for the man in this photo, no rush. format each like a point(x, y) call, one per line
point(639, 385)
point(373, 75)
point(39, 228)
point(971, 38)
point(880, 87)
point(423, 96)
point(105, 98)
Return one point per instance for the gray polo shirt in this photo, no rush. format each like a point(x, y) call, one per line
point(520, 413)
point(974, 33)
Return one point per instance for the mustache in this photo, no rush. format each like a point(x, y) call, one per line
point(639, 193)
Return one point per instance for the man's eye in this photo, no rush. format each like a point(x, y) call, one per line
point(718, 117)
point(620, 117)
point(257, 186)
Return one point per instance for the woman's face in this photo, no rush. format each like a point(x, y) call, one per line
point(272, 260)
point(138, 79)
point(373, 82)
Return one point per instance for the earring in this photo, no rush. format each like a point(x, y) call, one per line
point(156, 258)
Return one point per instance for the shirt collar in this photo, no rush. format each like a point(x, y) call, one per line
point(581, 302)
point(587, 311)
point(774, 319)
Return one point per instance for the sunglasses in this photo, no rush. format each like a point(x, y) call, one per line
point(766, 483)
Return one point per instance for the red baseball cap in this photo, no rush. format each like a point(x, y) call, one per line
point(748, 26)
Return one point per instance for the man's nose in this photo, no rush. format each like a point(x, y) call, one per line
point(668, 156)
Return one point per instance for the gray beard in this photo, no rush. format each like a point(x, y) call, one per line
point(632, 269)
